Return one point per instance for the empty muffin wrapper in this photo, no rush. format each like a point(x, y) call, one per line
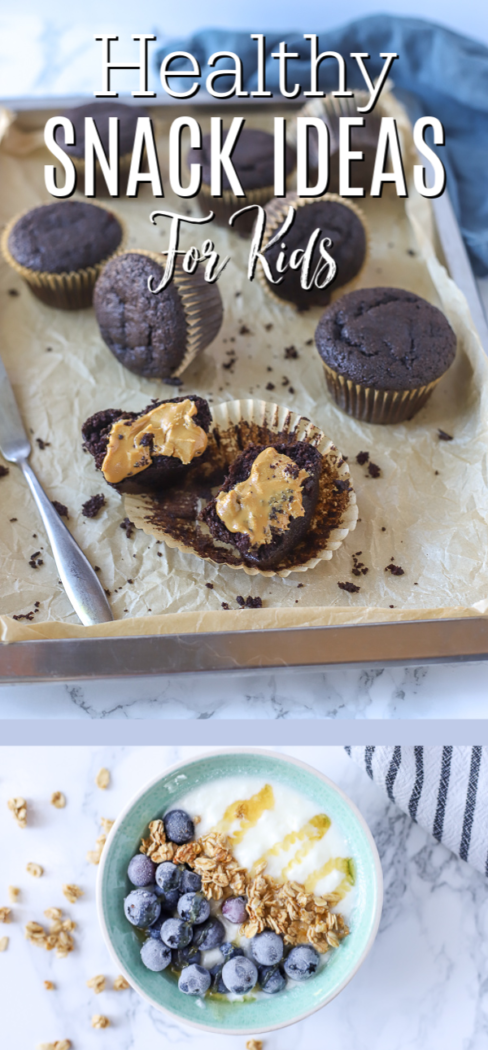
point(172, 517)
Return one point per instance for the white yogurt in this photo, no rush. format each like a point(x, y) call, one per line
point(285, 813)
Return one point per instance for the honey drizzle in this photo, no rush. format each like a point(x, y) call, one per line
point(312, 832)
point(248, 811)
point(342, 864)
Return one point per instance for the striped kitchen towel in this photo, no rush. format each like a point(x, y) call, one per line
point(444, 789)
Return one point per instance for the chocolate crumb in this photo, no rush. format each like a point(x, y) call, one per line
point(91, 508)
point(37, 605)
point(244, 330)
point(299, 584)
point(210, 586)
point(285, 381)
point(415, 584)
point(268, 368)
point(128, 527)
point(291, 389)
point(268, 327)
point(3, 473)
point(13, 292)
point(396, 570)
point(358, 567)
point(411, 252)
point(240, 600)
point(158, 553)
point(42, 444)
point(342, 485)
point(351, 588)
point(362, 458)
point(13, 519)
point(374, 470)
point(61, 509)
point(24, 616)
point(35, 560)
point(391, 606)
point(270, 386)
point(130, 581)
point(225, 605)
point(291, 352)
point(107, 592)
point(97, 568)
point(443, 436)
point(436, 471)
point(309, 342)
point(383, 529)
point(48, 349)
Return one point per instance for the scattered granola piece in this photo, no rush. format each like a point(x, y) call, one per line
point(351, 588)
point(158, 849)
point(36, 870)
point(13, 893)
point(5, 914)
point(72, 892)
point(58, 799)
point(120, 984)
point(103, 779)
point(60, 1044)
point(97, 983)
point(254, 1044)
point(58, 937)
point(106, 824)
point(197, 820)
point(49, 986)
point(443, 436)
point(18, 806)
point(91, 508)
point(99, 1021)
point(3, 944)
point(61, 508)
point(396, 570)
point(94, 855)
point(290, 911)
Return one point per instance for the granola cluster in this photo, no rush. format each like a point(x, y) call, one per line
point(58, 936)
point(298, 916)
point(18, 806)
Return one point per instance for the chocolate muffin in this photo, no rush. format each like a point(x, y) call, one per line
point(155, 334)
point(101, 111)
point(384, 350)
point(267, 501)
point(126, 445)
point(60, 248)
point(342, 223)
point(253, 159)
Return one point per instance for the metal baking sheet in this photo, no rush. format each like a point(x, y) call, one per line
point(404, 643)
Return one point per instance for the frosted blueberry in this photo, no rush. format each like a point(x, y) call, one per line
point(155, 955)
point(271, 979)
point(267, 948)
point(193, 908)
point(210, 934)
point(302, 962)
point(234, 909)
point(239, 975)
point(176, 933)
point(178, 826)
point(142, 907)
point(191, 882)
point(141, 870)
point(194, 980)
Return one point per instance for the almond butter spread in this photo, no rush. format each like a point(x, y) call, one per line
point(168, 430)
point(271, 495)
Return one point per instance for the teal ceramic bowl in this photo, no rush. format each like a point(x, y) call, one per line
point(264, 1013)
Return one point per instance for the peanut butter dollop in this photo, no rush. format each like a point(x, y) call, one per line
point(173, 433)
point(271, 495)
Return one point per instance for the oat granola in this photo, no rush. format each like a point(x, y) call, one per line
point(3, 944)
point(18, 807)
point(298, 916)
point(5, 914)
point(58, 800)
point(49, 986)
point(60, 1044)
point(97, 983)
point(120, 983)
point(102, 779)
point(57, 938)
point(36, 870)
point(72, 892)
point(99, 1021)
point(13, 893)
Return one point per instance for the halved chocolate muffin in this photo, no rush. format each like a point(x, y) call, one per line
point(137, 451)
point(267, 501)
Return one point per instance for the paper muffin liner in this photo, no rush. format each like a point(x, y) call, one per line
point(370, 405)
point(277, 211)
point(67, 291)
point(235, 426)
point(202, 305)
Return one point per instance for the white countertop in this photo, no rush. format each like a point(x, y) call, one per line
point(439, 691)
point(423, 987)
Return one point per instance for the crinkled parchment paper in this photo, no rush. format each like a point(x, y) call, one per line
point(428, 510)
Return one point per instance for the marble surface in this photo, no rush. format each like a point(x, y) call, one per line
point(423, 987)
point(436, 692)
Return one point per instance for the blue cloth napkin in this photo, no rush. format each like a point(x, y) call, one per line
point(447, 74)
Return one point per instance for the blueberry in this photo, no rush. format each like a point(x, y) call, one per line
point(142, 907)
point(194, 980)
point(239, 975)
point(184, 956)
point(217, 981)
point(271, 979)
point(141, 870)
point(155, 930)
point(209, 934)
point(302, 962)
point(192, 907)
point(168, 876)
point(176, 933)
point(169, 899)
point(178, 826)
point(190, 882)
point(229, 951)
point(155, 955)
point(267, 948)
point(234, 909)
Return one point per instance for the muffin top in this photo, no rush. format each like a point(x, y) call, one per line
point(252, 157)
point(65, 236)
point(348, 236)
point(101, 111)
point(386, 338)
point(146, 331)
